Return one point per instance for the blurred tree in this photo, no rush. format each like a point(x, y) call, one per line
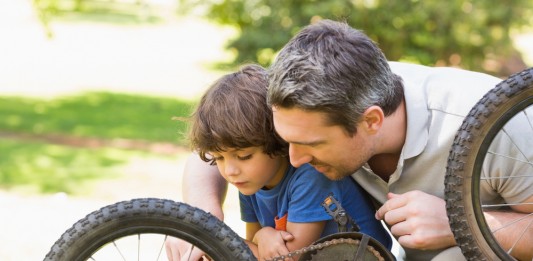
point(472, 34)
point(107, 11)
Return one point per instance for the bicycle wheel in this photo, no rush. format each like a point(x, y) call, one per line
point(492, 153)
point(137, 229)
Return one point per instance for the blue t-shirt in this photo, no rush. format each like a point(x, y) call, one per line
point(300, 195)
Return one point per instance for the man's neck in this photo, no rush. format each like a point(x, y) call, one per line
point(384, 165)
point(393, 135)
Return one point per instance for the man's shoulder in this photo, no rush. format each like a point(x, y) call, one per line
point(410, 70)
point(402, 67)
point(443, 86)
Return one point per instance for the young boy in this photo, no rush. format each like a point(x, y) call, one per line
point(232, 128)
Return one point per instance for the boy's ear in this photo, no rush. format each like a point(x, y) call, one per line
point(373, 119)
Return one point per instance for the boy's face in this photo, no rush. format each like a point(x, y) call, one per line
point(250, 169)
point(329, 149)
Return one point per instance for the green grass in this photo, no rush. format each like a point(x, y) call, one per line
point(46, 168)
point(98, 114)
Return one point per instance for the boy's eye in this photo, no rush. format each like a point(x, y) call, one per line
point(249, 156)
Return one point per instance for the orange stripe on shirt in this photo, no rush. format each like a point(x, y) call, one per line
point(281, 223)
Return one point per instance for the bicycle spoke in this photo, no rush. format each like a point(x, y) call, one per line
point(118, 250)
point(505, 205)
point(190, 253)
point(515, 145)
point(511, 223)
point(508, 177)
point(138, 247)
point(512, 158)
point(162, 246)
point(528, 119)
point(520, 237)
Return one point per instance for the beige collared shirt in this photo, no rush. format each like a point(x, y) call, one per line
point(437, 100)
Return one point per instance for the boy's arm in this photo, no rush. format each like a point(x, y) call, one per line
point(304, 233)
point(272, 243)
point(203, 186)
point(251, 230)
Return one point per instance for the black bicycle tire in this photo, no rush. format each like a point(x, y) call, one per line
point(149, 215)
point(471, 143)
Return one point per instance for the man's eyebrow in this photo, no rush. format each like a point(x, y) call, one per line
point(307, 143)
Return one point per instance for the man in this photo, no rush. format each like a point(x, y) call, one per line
point(347, 111)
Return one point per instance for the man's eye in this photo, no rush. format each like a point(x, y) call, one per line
point(245, 157)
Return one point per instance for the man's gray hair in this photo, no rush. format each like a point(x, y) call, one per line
point(333, 68)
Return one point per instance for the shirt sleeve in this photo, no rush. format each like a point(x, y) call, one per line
point(307, 191)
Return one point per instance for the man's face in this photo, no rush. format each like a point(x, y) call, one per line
point(329, 149)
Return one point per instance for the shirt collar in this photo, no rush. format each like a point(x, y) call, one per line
point(417, 113)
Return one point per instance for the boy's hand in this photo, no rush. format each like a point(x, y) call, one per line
point(271, 242)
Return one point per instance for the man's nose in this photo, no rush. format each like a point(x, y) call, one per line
point(298, 155)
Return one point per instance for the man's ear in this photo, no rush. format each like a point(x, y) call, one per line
point(373, 119)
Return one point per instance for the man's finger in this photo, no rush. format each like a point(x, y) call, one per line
point(401, 228)
point(395, 216)
point(392, 195)
point(395, 201)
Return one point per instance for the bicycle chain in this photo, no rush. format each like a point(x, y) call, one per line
point(325, 244)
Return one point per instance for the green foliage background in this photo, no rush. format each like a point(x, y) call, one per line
point(473, 34)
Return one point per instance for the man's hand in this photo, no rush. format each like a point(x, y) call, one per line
point(418, 220)
point(178, 250)
point(271, 242)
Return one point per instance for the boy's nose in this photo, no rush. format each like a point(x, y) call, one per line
point(231, 169)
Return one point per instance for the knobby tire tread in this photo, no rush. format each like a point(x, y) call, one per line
point(148, 215)
point(518, 87)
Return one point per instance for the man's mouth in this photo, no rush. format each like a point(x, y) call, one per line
point(320, 168)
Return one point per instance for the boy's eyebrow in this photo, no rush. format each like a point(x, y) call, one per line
point(235, 149)
point(230, 150)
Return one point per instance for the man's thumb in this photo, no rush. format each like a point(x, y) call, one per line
point(392, 195)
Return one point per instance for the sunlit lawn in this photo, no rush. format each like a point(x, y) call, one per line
point(42, 167)
point(98, 114)
point(38, 167)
